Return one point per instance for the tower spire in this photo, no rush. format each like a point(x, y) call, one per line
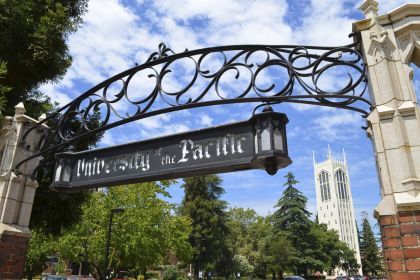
point(344, 156)
point(329, 152)
point(313, 157)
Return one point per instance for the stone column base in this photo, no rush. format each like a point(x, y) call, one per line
point(12, 255)
point(400, 238)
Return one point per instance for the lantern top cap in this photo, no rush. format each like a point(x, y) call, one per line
point(267, 108)
point(269, 112)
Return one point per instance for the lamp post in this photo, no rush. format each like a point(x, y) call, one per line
point(270, 140)
point(108, 240)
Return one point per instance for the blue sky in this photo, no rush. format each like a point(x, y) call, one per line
point(117, 34)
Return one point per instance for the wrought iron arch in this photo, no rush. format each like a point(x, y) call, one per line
point(304, 65)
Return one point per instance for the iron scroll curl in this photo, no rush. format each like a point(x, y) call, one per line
point(250, 65)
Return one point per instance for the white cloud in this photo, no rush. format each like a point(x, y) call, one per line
point(325, 25)
point(263, 207)
point(165, 124)
point(206, 120)
point(115, 137)
point(342, 125)
point(175, 128)
point(108, 139)
point(108, 42)
point(56, 95)
point(154, 122)
point(228, 22)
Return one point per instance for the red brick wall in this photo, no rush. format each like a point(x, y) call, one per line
point(400, 237)
point(12, 256)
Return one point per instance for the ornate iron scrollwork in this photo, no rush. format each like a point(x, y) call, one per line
point(253, 67)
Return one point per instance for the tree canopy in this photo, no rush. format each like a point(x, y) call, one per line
point(33, 51)
point(202, 232)
point(33, 46)
point(142, 236)
point(314, 247)
point(291, 214)
point(292, 219)
point(203, 206)
point(371, 258)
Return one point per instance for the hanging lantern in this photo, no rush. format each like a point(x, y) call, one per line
point(63, 169)
point(270, 140)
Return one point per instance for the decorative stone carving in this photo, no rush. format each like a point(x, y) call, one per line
point(408, 44)
point(381, 47)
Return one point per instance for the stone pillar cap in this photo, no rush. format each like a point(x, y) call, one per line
point(20, 109)
point(42, 117)
point(369, 8)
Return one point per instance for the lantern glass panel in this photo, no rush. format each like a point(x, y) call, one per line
point(256, 141)
point(58, 173)
point(265, 135)
point(278, 139)
point(278, 135)
point(66, 174)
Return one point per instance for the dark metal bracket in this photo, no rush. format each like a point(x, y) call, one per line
point(303, 66)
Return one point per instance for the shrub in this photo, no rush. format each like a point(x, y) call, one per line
point(170, 273)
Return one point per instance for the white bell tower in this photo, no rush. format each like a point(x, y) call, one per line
point(335, 202)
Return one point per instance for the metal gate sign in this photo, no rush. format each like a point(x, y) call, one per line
point(214, 150)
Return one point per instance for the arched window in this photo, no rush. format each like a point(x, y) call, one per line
point(340, 177)
point(324, 186)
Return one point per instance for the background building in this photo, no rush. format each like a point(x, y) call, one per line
point(334, 201)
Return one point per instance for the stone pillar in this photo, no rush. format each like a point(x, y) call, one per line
point(16, 192)
point(390, 43)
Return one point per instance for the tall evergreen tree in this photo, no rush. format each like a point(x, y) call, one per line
point(291, 214)
point(359, 234)
point(206, 210)
point(371, 260)
point(292, 218)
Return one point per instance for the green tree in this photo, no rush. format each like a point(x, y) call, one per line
point(209, 230)
point(247, 233)
point(325, 247)
point(292, 219)
point(348, 261)
point(330, 251)
point(33, 51)
point(40, 247)
point(369, 252)
point(359, 234)
point(33, 44)
point(291, 214)
point(142, 236)
point(3, 89)
point(241, 265)
point(279, 254)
